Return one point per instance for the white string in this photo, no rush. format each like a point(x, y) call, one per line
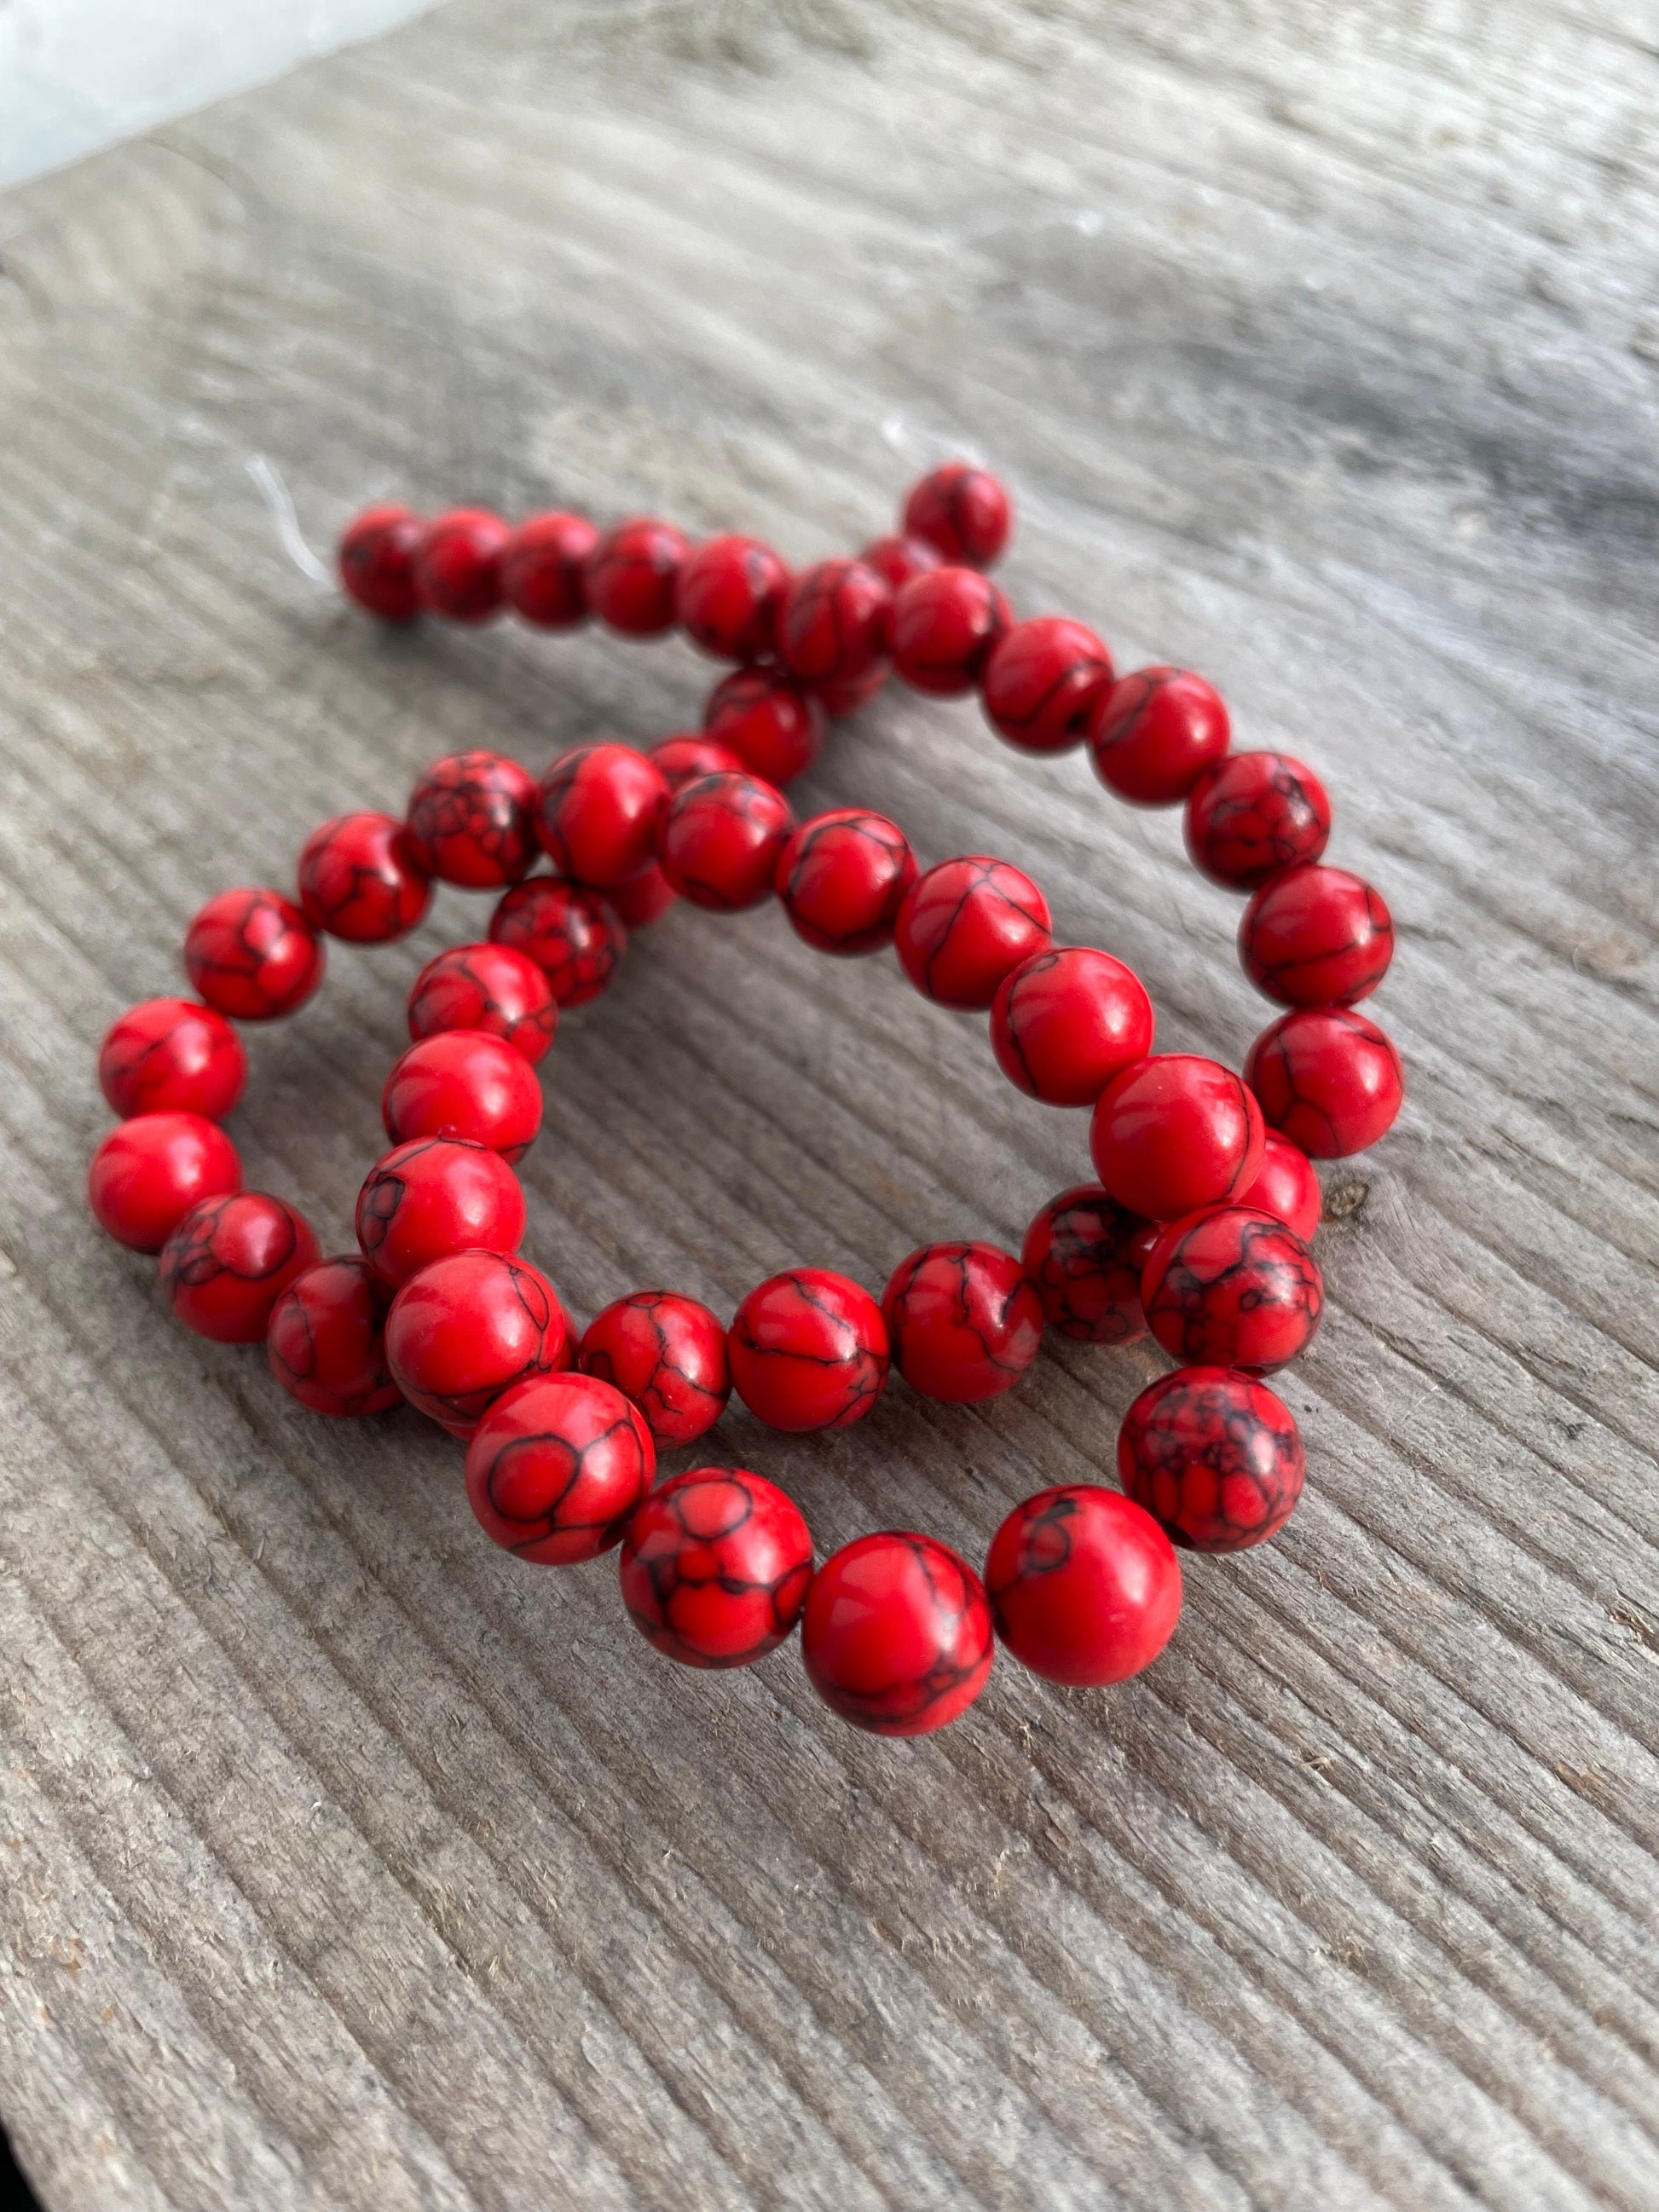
point(278, 499)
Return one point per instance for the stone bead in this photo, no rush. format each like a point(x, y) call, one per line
point(1327, 1078)
point(1084, 1255)
point(1313, 936)
point(325, 1339)
point(962, 510)
point(1253, 813)
point(598, 810)
point(896, 1635)
point(172, 1056)
point(377, 555)
point(1084, 1585)
point(832, 625)
point(153, 1170)
point(575, 938)
point(1066, 1021)
point(667, 1356)
point(898, 558)
point(727, 596)
point(457, 567)
point(643, 898)
point(842, 879)
point(1232, 1287)
point(556, 1466)
point(542, 570)
point(463, 1083)
point(228, 1261)
point(772, 725)
point(964, 1324)
point(492, 987)
point(1176, 1132)
point(808, 1350)
point(967, 925)
point(714, 1567)
point(721, 839)
point(1154, 734)
point(361, 879)
point(631, 576)
point(944, 626)
point(465, 1330)
point(685, 756)
point(1287, 1187)
point(1043, 682)
point(471, 816)
point(251, 954)
point(432, 1197)
point(1214, 1456)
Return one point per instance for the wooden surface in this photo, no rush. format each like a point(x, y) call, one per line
point(348, 1862)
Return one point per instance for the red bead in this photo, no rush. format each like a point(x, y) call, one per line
point(361, 879)
point(325, 1339)
point(1252, 814)
point(377, 561)
point(962, 510)
point(1315, 937)
point(1176, 1133)
point(945, 625)
point(1085, 1586)
point(172, 1056)
point(644, 898)
point(465, 1330)
point(472, 817)
point(963, 1321)
point(1082, 1254)
point(729, 595)
point(808, 1350)
point(573, 935)
point(492, 987)
point(1154, 734)
point(667, 1354)
point(228, 1261)
point(432, 1197)
point(252, 954)
point(721, 838)
point(1066, 1021)
point(1232, 1287)
point(1214, 1456)
point(556, 1466)
point(842, 879)
point(149, 1173)
point(772, 725)
point(1327, 1078)
point(966, 926)
point(684, 758)
point(896, 1633)
point(838, 699)
point(631, 575)
point(897, 559)
point(457, 569)
point(463, 1083)
point(1043, 682)
point(598, 810)
point(542, 570)
point(1287, 1187)
point(714, 1567)
point(832, 625)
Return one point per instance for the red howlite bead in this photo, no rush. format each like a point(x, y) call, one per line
point(471, 816)
point(152, 1170)
point(598, 810)
point(714, 1567)
point(944, 626)
point(491, 988)
point(1287, 1187)
point(721, 838)
point(1043, 682)
point(631, 576)
point(361, 879)
point(457, 569)
point(808, 1350)
point(962, 510)
point(895, 1635)
point(172, 1056)
point(228, 1261)
point(465, 1330)
point(1175, 1134)
point(667, 1354)
point(832, 625)
point(1085, 1586)
point(1232, 1287)
point(685, 757)
point(1315, 937)
point(556, 1466)
point(838, 699)
point(1327, 1078)
point(729, 595)
point(1214, 1456)
point(842, 879)
point(1084, 1255)
point(1066, 1021)
point(325, 1339)
point(432, 1197)
point(1254, 813)
point(1154, 734)
point(963, 1321)
point(772, 725)
point(897, 559)
point(574, 937)
point(377, 561)
point(463, 1083)
point(644, 898)
point(967, 925)
point(252, 954)
point(542, 570)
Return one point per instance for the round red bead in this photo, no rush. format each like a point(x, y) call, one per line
point(1154, 734)
point(470, 818)
point(432, 1197)
point(721, 837)
point(967, 925)
point(596, 812)
point(714, 1567)
point(644, 898)
point(832, 625)
point(962, 510)
point(631, 575)
point(1043, 682)
point(1287, 1187)
point(172, 1056)
point(963, 1321)
point(325, 1339)
point(727, 596)
point(574, 937)
point(944, 626)
point(1085, 1586)
point(772, 726)
point(377, 561)
point(1315, 937)
point(361, 879)
point(898, 558)
point(1232, 1287)
point(152, 1170)
point(542, 570)
point(842, 879)
point(1214, 1456)
point(463, 1083)
point(556, 1466)
point(464, 1330)
point(230, 1258)
point(458, 568)
point(1066, 1021)
point(838, 698)
point(1327, 1078)
point(492, 987)
point(1254, 813)
point(1176, 1133)
point(685, 757)
point(252, 954)
point(808, 1350)
point(1083, 1255)
point(896, 1635)
point(667, 1354)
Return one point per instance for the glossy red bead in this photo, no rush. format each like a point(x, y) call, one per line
point(772, 725)
point(685, 756)
point(632, 574)
point(230, 1258)
point(458, 568)
point(667, 1354)
point(361, 879)
point(965, 926)
point(1043, 682)
point(432, 1197)
point(1254, 813)
point(172, 1056)
point(325, 1339)
point(492, 987)
point(598, 810)
point(1313, 936)
point(542, 570)
point(463, 1083)
point(842, 879)
point(896, 1635)
point(1214, 1456)
point(1232, 1287)
point(962, 510)
point(644, 898)
point(944, 626)
point(465, 1330)
point(556, 1466)
point(1066, 1021)
point(721, 839)
point(1084, 1585)
point(254, 955)
point(377, 561)
point(898, 558)
point(574, 937)
point(808, 1350)
point(1176, 1132)
point(1287, 1187)
point(839, 698)
point(714, 1567)
point(727, 596)
point(1327, 1078)
point(153, 1170)
point(1154, 734)
point(832, 624)
point(1084, 1256)
point(963, 1322)
point(472, 817)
